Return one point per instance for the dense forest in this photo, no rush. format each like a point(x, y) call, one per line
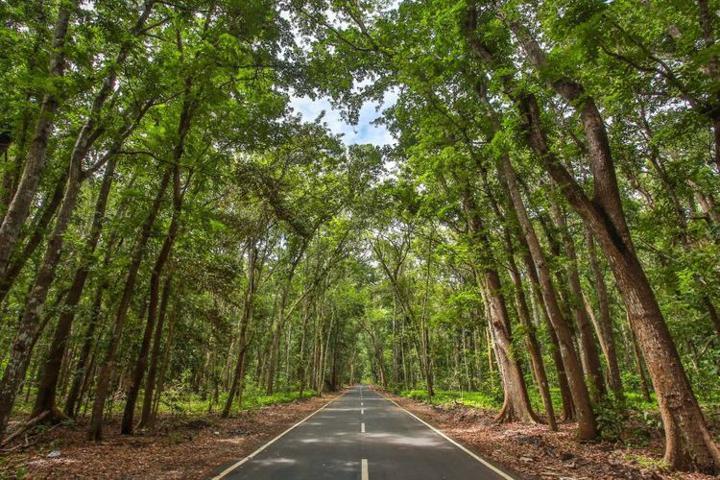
point(542, 233)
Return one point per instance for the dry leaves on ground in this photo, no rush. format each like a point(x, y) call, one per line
point(180, 448)
point(534, 452)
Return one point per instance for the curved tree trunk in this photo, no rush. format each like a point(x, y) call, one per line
point(587, 426)
point(516, 404)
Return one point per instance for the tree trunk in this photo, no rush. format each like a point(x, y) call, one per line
point(107, 369)
point(588, 350)
point(587, 426)
point(531, 341)
point(166, 359)
point(82, 369)
point(21, 202)
point(516, 404)
point(7, 278)
point(247, 316)
point(45, 400)
point(147, 419)
point(603, 323)
point(157, 271)
point(28, 328)
point(688, 443)
point(637, 356)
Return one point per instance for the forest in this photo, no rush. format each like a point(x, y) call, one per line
point(539, 239)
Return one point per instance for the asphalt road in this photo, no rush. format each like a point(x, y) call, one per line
point(363, 436)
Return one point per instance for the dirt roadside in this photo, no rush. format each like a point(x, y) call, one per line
point(180, 448)
point(534, 452)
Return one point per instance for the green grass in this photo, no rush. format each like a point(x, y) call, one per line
point(443, 397)
point(487, 400)
point(190, 404)
point(275, 399)
point(185, 403)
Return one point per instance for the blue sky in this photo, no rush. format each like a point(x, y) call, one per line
point(363, 132)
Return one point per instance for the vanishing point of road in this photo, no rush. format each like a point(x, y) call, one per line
point(362, 435)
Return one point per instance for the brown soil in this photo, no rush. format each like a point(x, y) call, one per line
point(534, 452)
point(180, 448)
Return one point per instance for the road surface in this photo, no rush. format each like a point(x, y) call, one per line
point(362, 436)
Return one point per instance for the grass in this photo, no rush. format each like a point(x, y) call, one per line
point(180, 402)
point(192, 404)
point(442, 397)
point(487, 400)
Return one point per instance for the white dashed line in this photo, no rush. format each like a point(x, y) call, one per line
point(362, 427)
point(232, 467)
point(364, 470)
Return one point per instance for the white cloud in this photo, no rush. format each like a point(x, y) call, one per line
point(363, 132)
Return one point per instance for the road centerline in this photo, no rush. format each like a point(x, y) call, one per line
point(329, 448)
point(239, 463)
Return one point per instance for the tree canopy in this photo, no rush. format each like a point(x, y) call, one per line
point(542, 230)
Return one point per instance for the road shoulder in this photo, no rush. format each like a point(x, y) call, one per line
point(532, 451)
point(180, 448)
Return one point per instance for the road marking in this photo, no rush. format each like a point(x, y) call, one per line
point(362, 427)
point(235, 465)
point(364, 470)
point(361, 404)
point(473, 455)
point(362, 411)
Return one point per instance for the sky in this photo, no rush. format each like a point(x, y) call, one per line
point(363, 132)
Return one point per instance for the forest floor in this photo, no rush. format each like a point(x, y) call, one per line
point(534, 452)
point(190, 447)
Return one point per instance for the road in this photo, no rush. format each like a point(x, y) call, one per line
point(362, 436)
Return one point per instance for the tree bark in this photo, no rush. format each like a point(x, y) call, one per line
point(247, 316)
point(184, 124)
point(21, 202)
point(107, 369)
point(82, 369)
point(603, 323)
point(516, 404)
point(166, 358)
point(531, 341)
point(7, 278)
point(588, 348)
point(147, 419)
point(688, 443)
point(155, 276)
point(28, 328)
point(47, 389)
point(587, 426)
